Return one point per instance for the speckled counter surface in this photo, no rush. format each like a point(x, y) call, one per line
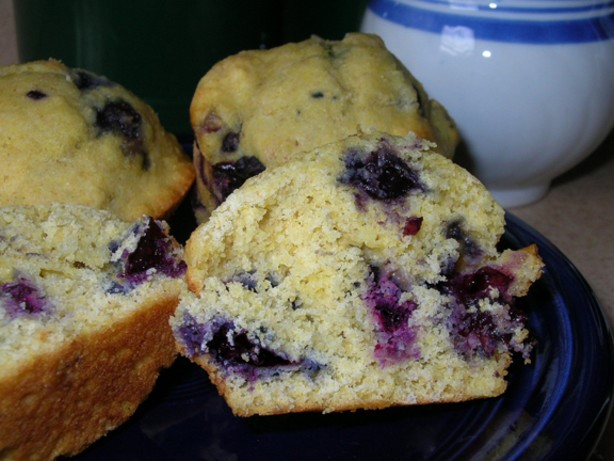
point(577, 215)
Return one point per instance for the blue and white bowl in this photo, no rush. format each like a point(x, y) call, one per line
point(530, 83)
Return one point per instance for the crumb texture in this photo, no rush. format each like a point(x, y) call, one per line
point(363, 275)
point(85, 300)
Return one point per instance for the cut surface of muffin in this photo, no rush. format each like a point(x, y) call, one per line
point(85, 300)
point(364, 275)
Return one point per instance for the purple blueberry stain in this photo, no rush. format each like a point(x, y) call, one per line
point(470, 288)
point(155, 251)
point(448, 265)
point(311, 367)
point(249, 280)
point(476, 331)
point(192, 335)
point(381, 174)
point(395, 338)
point(468, 246)
point(229, 176)
point(118, 117)
point(22, 298)
point(236, 350)
point(232, 346)
point(246, 279)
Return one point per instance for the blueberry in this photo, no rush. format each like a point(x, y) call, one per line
point(237, 351)
point(311, 367)
point(36, 95)
point(475, 331)
point(382, 175)
point(384, 298)
point(85, 80)
point(228, 176)
point(231, 346)
point(412, 225)
point(116, 288)
point(230, 143)
point(470, 288)
point(154, 250)
point(249, 281)
point(246, 279)
point(193, 335)
point(448, 267)
point(22, 298)
point(120, 118)
point(395, 338)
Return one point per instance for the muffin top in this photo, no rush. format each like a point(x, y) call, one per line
point(71, 136)
point(301, 95)
point(261, 108)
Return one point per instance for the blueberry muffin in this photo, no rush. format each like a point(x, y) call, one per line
point(363, 275)
point(260, 108)
point(74, 137)
point(85, 300)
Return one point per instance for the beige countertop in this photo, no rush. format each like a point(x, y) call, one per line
point(577, 215)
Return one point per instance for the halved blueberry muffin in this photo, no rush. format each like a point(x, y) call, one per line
point(71, 136)
point(85, 300)
point(261, 108)
point(363, 275)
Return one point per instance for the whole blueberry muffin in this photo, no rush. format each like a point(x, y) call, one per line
point(363, 275)
point(74, 137)
point(85, 300)
point(260, 108)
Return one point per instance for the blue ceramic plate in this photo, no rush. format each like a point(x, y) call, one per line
point(554, 409)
